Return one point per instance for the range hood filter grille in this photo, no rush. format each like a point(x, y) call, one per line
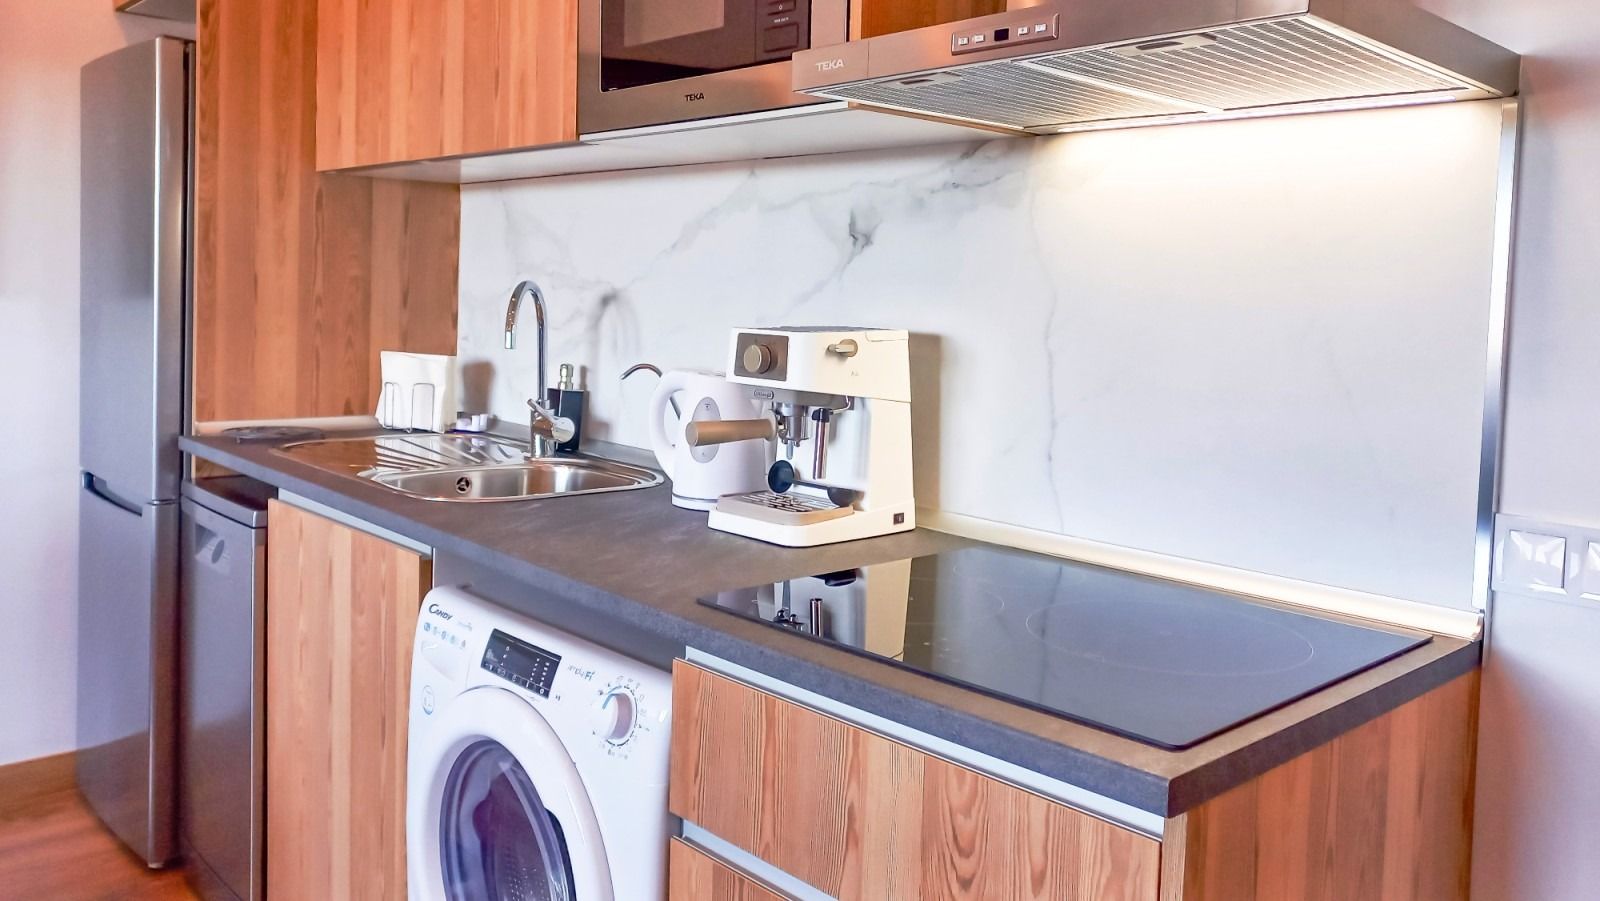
point(1033, 99)
point(1277, 62)
point(1261, 64)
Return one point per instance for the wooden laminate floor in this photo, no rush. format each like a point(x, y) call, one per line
point(53, 849)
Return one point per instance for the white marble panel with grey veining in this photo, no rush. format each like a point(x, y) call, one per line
point(1253, 343)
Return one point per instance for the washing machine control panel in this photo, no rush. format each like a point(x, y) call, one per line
point(521, 663)
point(613, 712)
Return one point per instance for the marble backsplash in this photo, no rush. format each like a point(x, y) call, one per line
point(1254, 343)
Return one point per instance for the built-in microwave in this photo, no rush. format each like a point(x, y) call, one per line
point(656, 62)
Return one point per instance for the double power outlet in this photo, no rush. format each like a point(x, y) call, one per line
point(1543, 559)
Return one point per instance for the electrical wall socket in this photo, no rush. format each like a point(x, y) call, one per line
point(1544, 559)
point(1589, 572)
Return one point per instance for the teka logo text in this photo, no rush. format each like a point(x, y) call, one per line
point(438, 611)
point(828, 65)
point(697, 95)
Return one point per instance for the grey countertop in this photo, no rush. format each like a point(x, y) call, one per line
point(634, 559)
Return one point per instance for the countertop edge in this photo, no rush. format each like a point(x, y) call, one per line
point(1163, 794)
point(1203, 783)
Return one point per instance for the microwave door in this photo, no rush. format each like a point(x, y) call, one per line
point(648, 63)
point(647, 42)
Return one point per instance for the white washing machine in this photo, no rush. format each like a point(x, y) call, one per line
point(537, 764)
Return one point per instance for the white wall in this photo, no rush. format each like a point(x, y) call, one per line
point(42, 45)
point(1256, 343)
point(1538, 808)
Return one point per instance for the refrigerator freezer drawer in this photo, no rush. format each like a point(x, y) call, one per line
point(127, 619)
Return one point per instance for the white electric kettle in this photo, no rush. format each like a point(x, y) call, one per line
point(700, 475)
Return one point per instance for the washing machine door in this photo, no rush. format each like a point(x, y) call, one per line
point(496, 810)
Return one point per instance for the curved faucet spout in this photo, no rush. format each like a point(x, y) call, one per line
point(538, 445)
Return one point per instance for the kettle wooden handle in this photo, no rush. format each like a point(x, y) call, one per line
point(706, 432)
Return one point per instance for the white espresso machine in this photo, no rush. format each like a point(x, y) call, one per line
point(838, 402)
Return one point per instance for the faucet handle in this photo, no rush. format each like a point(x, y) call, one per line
point(544, 423)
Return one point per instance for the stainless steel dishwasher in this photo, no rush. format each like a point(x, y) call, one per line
point(222, 687)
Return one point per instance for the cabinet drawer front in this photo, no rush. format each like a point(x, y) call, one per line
point(858, 815)
point(693, 875)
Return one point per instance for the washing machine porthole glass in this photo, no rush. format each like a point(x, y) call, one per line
point(497, 841)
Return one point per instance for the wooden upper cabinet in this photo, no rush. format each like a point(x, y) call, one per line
point(300, 278)
point(421, 79)
point(870, 18)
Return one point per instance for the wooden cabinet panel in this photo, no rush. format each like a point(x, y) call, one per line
point(692, 875)
point(858, 815)
point(341, 609)
point(300, 278)
point(870, 18)
point(414, 80)
point(1381, 812)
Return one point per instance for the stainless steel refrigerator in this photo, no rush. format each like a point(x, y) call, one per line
point(135, 265)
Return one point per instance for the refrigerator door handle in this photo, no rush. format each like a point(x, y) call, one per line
point(97, 487)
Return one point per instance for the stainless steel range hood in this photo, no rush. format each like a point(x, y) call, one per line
point(1093, 64)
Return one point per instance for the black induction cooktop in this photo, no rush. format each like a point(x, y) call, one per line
point(1162, 662)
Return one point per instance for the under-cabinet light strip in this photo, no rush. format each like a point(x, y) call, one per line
point(1452, 621)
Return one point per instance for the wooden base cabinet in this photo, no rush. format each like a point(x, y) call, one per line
point(341, 609)
point(861, 816)
point(1382, 812)
point(694, 875)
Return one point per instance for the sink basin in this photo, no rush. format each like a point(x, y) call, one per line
point(470, 468)
point(545, 477)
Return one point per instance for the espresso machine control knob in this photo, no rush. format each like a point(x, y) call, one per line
point(758, 359)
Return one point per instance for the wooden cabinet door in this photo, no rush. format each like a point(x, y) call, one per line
point(300, 278)
point(693, 875)
point(418, 79)
point(1382, 812)
point(341, 609)
point(858, 815)
point(870, 18)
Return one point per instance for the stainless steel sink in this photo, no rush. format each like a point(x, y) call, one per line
point(543, 477)
point(469, 468)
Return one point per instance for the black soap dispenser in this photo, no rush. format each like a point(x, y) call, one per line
point(567, 400)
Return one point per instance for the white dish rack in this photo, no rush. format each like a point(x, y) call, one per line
point(418, 393)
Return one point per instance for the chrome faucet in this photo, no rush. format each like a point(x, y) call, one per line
point(545, 428)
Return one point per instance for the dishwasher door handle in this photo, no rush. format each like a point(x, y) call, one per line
point(209, 546)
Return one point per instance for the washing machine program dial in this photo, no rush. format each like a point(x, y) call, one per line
point(616, 714)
